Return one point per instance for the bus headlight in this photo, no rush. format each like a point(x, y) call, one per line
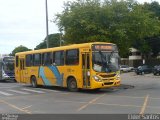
point(96, 78)
point(118, 76)
point(5, 75)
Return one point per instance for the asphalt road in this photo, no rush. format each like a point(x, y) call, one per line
point(138, 94)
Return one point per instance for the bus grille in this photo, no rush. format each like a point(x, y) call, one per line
point(108, 79)
point(10, 74)
point(108, 83)
point(107, 76)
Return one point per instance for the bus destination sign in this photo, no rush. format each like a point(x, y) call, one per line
point(102, 47)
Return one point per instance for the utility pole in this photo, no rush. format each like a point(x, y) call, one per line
point(47, 24)
point(60, 38)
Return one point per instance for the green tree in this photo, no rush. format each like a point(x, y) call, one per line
point(20, 48)
point(154, 7)
point(154, 40)
point(54, 41)
point(154, 43)
point(81, 21)
point(125, 23)
point(144, 24)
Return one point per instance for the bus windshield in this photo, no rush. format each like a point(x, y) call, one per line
point(9, 67)
point(105, 61)
point(8, 63)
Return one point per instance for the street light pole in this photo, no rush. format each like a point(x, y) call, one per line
point(47, 24)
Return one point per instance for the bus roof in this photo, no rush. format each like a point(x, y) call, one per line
point(72, 46)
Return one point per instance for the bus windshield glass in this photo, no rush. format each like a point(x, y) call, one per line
point(9, 67)
point(105, 58)
point(8, 63)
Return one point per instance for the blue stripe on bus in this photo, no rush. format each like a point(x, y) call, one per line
point(43, 76)
point(59, 77)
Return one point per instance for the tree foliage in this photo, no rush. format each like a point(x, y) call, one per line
point(53, 39)
point(20, 48)
point(154, 41)
point(126, 23)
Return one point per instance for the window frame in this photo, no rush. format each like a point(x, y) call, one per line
point(30, 62)
point(72, 60)
point(61, 59)
point(44, 60)
point(17, 61)
point(40, 56)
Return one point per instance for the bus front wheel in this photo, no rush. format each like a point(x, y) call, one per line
point(33, 81)
point(72, 85)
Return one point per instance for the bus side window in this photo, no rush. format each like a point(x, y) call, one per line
point(47, 58)
point(53, 58)
point(17, 58)
point(72, 57)
point(59, 58)
point(37, 59)
point(28, 60)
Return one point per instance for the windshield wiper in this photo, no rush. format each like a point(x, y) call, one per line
point(105, 62)
point(110, 56)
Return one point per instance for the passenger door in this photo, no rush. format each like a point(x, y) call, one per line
point(22, 70)
point(86, 69)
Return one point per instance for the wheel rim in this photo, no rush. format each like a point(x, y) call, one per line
point(73, 84)
point(33, 83)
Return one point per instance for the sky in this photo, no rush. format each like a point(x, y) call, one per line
point(23, 22)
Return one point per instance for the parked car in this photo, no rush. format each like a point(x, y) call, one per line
point(125, 68)
point(143, 69)
point(156, 70)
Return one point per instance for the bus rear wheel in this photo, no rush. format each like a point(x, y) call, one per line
point(34, 81)
point(72, 85)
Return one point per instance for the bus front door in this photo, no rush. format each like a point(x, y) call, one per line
point(86, 70)
point(22, 70)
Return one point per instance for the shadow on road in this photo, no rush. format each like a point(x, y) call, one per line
point(7, 81)
point(87, 91)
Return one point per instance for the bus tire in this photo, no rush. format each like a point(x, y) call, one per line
point(97, 89)
point(14, 80)
point(34, 81)
point(72, 84)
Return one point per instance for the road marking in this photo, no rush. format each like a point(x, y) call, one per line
point(154, 107)
point(118, 105)
point(8, 87)
point(144, 105)
point(30, 90)
point(26, 107)
point(63, 101)
point(56, 91)
point(6, 94)
point(103, 104)
point(51, 90)
point(136, 106)
point(154, 98)
point(90, 102)
point(15, 107)
point(20, 92)
point(126, 96)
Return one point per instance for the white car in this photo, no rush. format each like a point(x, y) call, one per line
point(125, 68)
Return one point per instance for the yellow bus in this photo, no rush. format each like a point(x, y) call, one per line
point(79, 66)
